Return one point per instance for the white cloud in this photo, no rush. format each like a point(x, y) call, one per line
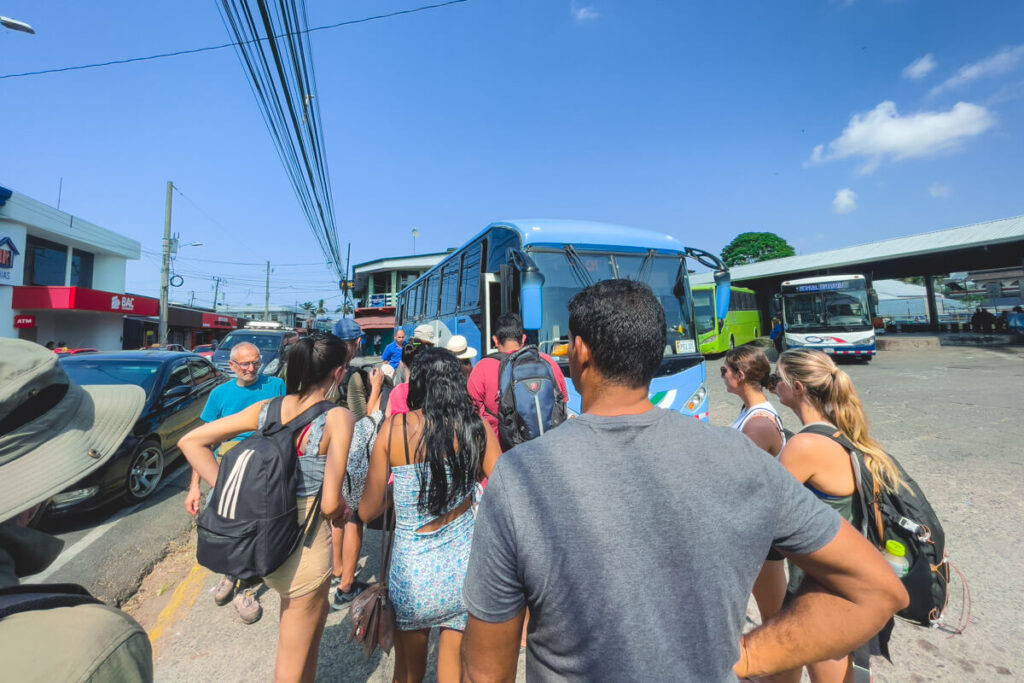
point(1001, 62)
point(883, 133)
point(584, 13)
point(919, 68)
point(937, 190)
point(845, 201)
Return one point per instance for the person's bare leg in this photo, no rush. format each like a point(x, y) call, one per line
point(337, 552)
point(351, 546)
point(526, 623)
point(411, 655)
point(449, 664)
point(300, 629)
point(832, 671)
point(770, 589)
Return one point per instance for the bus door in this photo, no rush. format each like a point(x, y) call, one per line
point(492, 304)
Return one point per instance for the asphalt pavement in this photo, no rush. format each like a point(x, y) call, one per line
point(953, 418)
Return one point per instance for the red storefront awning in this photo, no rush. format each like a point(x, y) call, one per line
point(219, 322)
point(33, 298)
point(376, 318)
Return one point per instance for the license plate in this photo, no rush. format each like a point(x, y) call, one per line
point(686, 346)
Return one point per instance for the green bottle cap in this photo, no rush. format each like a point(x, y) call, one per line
point(895, 548)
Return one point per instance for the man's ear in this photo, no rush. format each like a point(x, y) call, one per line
point(522, 341)
point(494, 338)
point(580, 351)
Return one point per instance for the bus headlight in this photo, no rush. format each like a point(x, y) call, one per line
point(693, 403)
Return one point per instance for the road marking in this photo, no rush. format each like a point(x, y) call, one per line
point(69, 554)
point(185, 595)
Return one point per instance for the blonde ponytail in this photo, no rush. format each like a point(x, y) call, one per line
point(831, 391)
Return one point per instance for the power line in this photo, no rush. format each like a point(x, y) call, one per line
point(211, 48)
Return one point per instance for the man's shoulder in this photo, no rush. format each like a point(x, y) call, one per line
point(271, 384)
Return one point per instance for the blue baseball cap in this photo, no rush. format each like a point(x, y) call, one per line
point(347, 329)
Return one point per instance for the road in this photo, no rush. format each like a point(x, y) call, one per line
point(952, 416)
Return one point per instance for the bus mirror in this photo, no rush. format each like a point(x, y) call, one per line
point(873, 297)
point(723, 292)
point(533, 306)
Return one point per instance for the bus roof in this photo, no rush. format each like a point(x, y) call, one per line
point(559, 232)
point(822, 278)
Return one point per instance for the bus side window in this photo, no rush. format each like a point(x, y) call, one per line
point(469, 283)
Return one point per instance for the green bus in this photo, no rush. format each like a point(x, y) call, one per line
point(741, 325)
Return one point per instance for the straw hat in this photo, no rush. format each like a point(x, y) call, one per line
point(461, 348)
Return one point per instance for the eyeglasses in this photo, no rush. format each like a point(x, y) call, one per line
point(250, 364)
point(774, 380)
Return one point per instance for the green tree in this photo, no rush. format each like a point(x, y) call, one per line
point(751, 247)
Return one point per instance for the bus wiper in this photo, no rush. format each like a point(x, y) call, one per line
point(645, 267)
point(579, 271)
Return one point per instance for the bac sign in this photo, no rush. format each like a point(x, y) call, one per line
point(24, 321)
point(122, 303)
point(7, 253)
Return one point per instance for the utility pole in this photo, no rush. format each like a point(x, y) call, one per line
point(266, 302)
point(217, 279)
point(166, 268)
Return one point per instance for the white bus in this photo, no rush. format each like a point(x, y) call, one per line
point(831, 313)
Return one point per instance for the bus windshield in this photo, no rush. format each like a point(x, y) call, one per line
point(845, 310)
point(563, 279)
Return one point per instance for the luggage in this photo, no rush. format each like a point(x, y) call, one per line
point(249, 526)
point(530, 401)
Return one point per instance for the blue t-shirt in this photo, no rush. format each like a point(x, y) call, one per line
point(392, 354)
point(230, 398)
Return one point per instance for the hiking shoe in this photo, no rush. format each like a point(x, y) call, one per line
point(224, 591)
point(341, 598)
point(247, 606)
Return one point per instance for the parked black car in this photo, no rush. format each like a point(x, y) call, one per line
point(177, 386)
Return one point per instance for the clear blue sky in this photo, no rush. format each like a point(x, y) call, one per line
point(699, 119)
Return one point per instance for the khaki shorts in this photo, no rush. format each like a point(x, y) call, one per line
point(309, 566)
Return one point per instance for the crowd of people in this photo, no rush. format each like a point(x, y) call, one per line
point(631, 536)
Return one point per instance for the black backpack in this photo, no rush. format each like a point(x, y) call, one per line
point(905, 516)
point(249, 526)
point(343, 385)
point(530, 402)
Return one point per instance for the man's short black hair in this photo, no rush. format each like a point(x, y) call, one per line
point(509, 328)
point(623, 323)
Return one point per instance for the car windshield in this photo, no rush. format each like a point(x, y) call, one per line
point(845, 310)
point(263, 342)
point(564, 276)
point(96, 371)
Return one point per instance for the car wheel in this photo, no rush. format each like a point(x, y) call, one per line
point(145, 471)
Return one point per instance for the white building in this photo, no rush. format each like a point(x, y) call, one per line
point(63, 278)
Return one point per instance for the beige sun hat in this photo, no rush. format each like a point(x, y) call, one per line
point(459, 345)
point(54, 432)
point(424, 333)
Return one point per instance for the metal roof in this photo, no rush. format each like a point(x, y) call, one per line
point(976, 235)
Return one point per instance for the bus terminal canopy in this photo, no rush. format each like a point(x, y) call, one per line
point(981, 246)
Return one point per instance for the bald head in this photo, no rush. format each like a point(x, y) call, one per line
point(243, 348)
point(245, 362)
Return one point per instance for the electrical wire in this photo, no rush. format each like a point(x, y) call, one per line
point(211, 48)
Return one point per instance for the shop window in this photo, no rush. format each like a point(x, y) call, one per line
point(45, 262)
point(81, 268)
point(382, 283)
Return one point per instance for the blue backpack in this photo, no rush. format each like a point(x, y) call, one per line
point(530, 401)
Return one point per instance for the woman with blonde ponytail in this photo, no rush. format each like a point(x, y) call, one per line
point(811, 385)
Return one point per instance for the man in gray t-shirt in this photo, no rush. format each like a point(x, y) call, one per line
point(634, 534)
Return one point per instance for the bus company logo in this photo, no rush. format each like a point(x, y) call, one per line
point(7, 252)
point(824, 340)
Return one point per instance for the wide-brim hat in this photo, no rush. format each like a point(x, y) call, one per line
point(54, 432)
point(424, 333)
point(459, 345)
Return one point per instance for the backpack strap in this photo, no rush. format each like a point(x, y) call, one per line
point(869, 501)
point(30, 597)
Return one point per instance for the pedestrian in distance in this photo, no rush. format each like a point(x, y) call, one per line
point(247, 388)
point(745, 373)
point(459, 345)
point(820, 393)
point(355, 388)
point(50, 345)
point(53, 433)
point(315, 367)
point(568, 517)
point(437, 453)
point(393, 351)
point(778, 334)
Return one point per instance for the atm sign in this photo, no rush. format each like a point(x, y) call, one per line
point(24, 321)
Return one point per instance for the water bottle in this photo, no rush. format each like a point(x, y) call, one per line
point(896, 555)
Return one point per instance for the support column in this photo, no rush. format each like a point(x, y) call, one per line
point(933, 311)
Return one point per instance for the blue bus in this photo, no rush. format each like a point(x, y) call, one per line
point(533, 267)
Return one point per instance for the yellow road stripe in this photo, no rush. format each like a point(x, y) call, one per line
point(185, 595)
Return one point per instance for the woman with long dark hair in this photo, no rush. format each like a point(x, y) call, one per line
point(745, 373)
point(316, 365)
point(438, 452)
point(811, 385)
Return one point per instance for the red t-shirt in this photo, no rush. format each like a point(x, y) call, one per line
point(483, 387)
